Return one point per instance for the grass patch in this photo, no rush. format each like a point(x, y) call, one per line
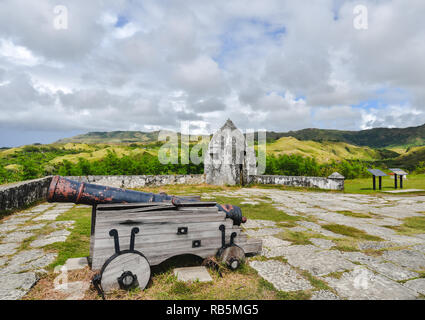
point(364, 185)
point(350, 232)
point(337, 274)
point(78, 242)
point(244, 284)
point(286, 224)
point(263, 258)
point(296, 237)
point(315, 282)
point(289, 188)
point(297, 295)
point(283, 295)
point(346, 245)
point(411, 225)
point(355, 214)
point(260, 211)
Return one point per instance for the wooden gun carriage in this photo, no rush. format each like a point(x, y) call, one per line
point(128, 238)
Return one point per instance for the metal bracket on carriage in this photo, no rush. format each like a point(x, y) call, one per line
point(231, 254)
point(125, 270)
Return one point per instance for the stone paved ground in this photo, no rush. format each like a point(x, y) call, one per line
point(22, 262)
point(395, 270)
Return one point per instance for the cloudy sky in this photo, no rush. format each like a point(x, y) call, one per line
point(266, 64)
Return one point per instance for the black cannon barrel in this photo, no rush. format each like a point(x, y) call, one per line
point(65, 190)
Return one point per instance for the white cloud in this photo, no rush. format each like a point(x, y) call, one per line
point(17, 54)
point(280, 65)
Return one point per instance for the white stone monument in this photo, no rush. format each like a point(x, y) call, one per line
point(229, 159)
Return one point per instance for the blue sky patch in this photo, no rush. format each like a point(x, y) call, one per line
point(121, 21)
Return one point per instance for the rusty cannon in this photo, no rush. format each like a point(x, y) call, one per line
point(66, 190)
point(132, 231)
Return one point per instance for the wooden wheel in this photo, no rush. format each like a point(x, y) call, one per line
point(126, 271)
point(233, 256)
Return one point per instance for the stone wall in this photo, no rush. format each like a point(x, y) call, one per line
point(301, 181)
point(22, 194)
point(128, 182)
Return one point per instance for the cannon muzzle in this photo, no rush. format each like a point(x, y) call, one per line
point(66, 190)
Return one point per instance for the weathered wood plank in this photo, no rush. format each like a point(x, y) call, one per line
point(160, 220)
point(158, 239)
point(98, 260)
point(200, 204)
point(119, 206)
point(252, 246)
point(160, 213)
point(154, 246)
point(153, 210)
point(157, 254)
point(161, 229)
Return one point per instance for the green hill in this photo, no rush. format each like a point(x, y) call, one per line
point(325, 151)
point(375, 138)
point(114, 137)
point(411, 158)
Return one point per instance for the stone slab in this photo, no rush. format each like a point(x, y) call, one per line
point(8, 249)
point(16, 236)
point(26, 256)
point(281, 275)
point(47, 217)
point(375, 245)
point(262, 232)
point(16, 220)
point(363, 284)
point(74, 290)
point(324, 295)
point(21, 281)
point(25, 261)
point(253, 224)
point(284, 251)
point(192, 274)
point(56, 236)
point(3, 261)
point(404, 191)
point(273, 242)
point(317, 228)
point(361, 258)
point(33, 227)
point(417, 285)
point(393, 271)
point(15, 294)
point(7, 228)
point(411, 259)
point(322, 243)
point(312, 259)
point(76, 263)
point(69, 224)
point(419, 247)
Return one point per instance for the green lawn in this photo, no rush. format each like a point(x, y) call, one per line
point(365, 185)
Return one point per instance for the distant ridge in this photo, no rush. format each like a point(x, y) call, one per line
point(114, 137)
point(375, 138)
